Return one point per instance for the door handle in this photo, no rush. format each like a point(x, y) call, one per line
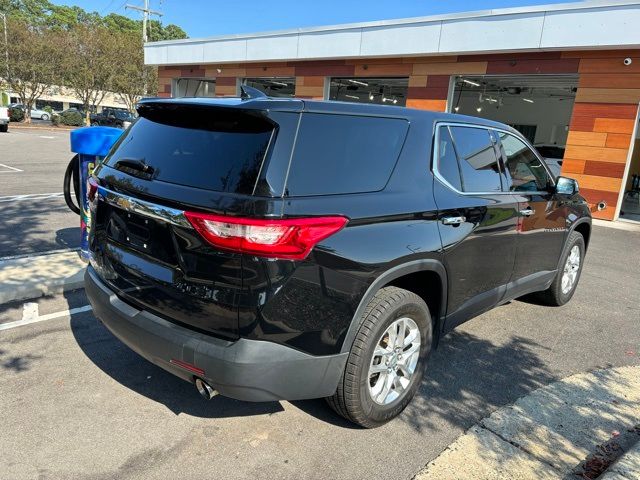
point(527, 212)
point(453, 220)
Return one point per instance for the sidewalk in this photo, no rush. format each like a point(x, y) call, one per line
point(552, 432)
point(38, 275)
point(627, 467)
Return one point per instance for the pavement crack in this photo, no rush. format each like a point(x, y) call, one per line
point(518, 446)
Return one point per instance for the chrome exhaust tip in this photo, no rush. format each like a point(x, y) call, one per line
point(204, 389)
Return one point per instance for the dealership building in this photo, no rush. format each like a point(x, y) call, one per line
point(567, 76)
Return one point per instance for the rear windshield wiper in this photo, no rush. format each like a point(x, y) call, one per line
point(133, 165)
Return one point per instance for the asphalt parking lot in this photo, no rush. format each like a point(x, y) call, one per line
point(78, 404)
point(33, 214)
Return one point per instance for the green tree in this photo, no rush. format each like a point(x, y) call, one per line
point(35, 61)
point(62, 17)
point(157, 32)
point(91, 54)
point(43, 13)
point(120, 23)
point(133, 79)
point(92, 60)
point(31, 12)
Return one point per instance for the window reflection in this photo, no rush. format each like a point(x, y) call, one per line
point(194, 87)
point(383, 91)
point(273, 86)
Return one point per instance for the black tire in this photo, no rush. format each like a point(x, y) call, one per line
point(4, 128)
point(554, 296)
point(353, 400)
point(44, 117)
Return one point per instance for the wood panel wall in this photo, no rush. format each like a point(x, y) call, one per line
point(601, 125)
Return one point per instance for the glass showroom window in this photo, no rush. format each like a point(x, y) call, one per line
point(194, 87)
point(384, 91)
point(274, 86)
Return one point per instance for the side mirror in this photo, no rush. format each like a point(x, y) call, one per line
point(566, 186)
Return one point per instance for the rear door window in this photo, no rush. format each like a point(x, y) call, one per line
point(214, 150)
point(344, 154)
point(477, 158)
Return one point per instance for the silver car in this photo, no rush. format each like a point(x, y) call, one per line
point(35, 113)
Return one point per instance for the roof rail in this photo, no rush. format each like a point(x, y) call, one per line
point(247, 92)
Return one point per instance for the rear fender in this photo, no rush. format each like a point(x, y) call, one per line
point(386, 278)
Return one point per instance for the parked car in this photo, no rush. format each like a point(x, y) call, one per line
point(35, 113)
point(270, 249)
point(4, 119)
point(553, 156)
point(112, 117)
point(73, 109)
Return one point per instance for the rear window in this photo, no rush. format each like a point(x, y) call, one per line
point(207, 148)
point(344, 154)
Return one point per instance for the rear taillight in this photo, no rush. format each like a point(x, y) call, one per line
point(291, 238)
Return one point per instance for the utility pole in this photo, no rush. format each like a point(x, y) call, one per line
point(145, 17)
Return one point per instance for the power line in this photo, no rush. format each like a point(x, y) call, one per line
point(146, 12)
point(107, 7)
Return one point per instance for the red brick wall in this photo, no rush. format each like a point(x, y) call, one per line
point(601, 124)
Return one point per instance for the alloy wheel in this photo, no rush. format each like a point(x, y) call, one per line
point(571, 268)
point(394, 361)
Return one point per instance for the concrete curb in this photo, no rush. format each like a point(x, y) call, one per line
point(38, 275)
point(47, 127)
point(618, 225)
point(627, 467)
point(548, 433)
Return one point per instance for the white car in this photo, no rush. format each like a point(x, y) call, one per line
point(4, 119)
point(35, 113)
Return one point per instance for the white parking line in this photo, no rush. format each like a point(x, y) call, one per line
point(30, 315)
point(46, 136)
point(46, 252)
point(10, 169)
point(30, 196)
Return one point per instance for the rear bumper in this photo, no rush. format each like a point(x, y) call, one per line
point(4, 121)
point(250, 370)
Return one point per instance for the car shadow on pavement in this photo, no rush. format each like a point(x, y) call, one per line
point(134, 372)
point(467, 377)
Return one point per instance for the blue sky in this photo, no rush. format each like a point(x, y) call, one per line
point(201, 18)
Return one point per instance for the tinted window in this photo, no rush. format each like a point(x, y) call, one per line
point(447, 161)
point(221, 152)
point(344, 154)
point(477, 158)
point(551, 151)
point(526, 170)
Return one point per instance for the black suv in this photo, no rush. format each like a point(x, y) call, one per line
point(273, 249)
point(112, 117)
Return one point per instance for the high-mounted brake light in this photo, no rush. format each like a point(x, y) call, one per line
point(290, 238)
